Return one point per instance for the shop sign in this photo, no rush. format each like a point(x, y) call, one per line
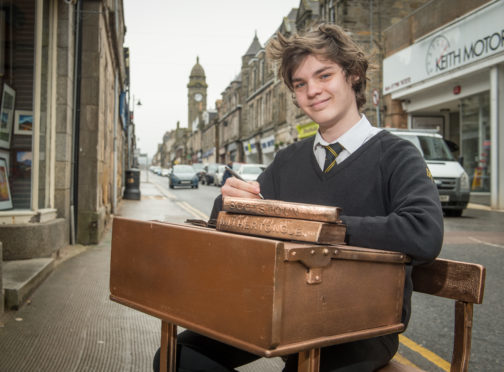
point(268, 144)
point(307, 130)
point(478, 36)
point(249, 147)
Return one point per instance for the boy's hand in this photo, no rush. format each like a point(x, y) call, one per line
point(241, 189)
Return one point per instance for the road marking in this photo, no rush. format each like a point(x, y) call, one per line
point(427, 354)
point(195, 212)
point(165, 192)
point(398, 357)
point(486, 243)
point(157, 197)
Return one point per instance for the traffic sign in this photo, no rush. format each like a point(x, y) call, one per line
point(376, 97)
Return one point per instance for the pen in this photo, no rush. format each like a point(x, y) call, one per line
point(234, 174)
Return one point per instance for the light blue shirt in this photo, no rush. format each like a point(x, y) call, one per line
point(351, 140)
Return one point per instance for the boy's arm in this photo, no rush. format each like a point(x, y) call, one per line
point(415, 223)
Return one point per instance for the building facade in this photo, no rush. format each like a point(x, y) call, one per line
point(64, 123)
point(446, 73)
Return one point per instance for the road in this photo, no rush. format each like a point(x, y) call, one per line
point(477, 236)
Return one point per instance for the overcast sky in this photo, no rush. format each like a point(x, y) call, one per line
point(166, 36)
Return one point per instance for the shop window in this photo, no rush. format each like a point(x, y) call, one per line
point(26, 104)
point(475, 140)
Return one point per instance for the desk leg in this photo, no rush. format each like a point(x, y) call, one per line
point(309, 360)
point(168, 357)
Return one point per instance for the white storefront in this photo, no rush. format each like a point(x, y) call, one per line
point(452, 80)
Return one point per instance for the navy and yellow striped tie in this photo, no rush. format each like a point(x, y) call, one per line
point(332, 152)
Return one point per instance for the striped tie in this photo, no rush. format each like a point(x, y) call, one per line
point(332, 152)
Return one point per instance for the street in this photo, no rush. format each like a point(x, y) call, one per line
point(70, 324)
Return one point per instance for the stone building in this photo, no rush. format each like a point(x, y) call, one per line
point(209, 136)
point(229, 121)
point(65, 118)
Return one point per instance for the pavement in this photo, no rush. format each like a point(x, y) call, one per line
point(66, 321)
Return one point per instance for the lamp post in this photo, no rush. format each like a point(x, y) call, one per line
point(130, 129)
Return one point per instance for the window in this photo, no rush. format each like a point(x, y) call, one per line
point(29, 70)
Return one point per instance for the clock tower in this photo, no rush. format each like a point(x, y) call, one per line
point(196, 94)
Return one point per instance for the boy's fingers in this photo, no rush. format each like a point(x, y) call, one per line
point(237, 188)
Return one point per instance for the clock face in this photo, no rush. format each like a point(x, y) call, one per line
point(198, 97)
point(438, 48)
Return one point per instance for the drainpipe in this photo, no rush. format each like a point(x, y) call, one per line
point(74, 186)
point(116, 117)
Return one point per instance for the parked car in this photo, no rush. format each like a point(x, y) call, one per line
point(183, 175)
point(250, 172)
point(210, 170)
point(219, 174)
point(451, 179)
point(165, 172)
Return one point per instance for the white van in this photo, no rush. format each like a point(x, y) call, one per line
point(451, 179)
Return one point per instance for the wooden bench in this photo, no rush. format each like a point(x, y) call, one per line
point(459, 281)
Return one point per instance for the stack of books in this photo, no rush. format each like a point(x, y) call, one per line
point(282, 220)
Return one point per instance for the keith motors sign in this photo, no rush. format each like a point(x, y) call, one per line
point(476, 37)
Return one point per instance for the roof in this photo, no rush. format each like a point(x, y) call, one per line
point(254, 47)
point(197, 70)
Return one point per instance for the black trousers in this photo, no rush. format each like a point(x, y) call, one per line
point(199, 353)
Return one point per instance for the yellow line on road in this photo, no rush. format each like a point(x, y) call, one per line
point(195, 212)
point(398, 357)
point(427, 354)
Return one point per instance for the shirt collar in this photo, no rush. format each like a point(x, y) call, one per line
point(352, 139)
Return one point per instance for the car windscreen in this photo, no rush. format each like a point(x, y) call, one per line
point(183, 169)
point(432, 148)
point(251, 170)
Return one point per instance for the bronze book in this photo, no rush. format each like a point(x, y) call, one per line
point(282, 228)
point(277, 208)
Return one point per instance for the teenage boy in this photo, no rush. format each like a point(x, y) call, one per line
point(380, 181)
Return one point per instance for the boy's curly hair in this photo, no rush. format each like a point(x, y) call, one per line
point(326, 41)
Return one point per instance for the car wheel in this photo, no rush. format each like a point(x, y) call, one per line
point(171, 186)
point(453, 212)
point(196, 186)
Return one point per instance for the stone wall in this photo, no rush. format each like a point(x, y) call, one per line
point(33, 240)
point(99, 124)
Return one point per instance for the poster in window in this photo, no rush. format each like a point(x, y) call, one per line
point(5, 195)
point(23, 122)
point(22, 164)
point(6, 115)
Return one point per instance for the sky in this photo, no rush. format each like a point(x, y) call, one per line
point(165, 37)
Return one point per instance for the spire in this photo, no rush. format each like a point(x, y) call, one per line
point(197, 70)
point(254, 47)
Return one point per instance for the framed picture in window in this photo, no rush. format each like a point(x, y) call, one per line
point(23, 122)
point(5, 195)
point(22, 165)
point(6, 115)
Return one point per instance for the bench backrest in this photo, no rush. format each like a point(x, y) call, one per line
point(459, 281)
point(462, 282)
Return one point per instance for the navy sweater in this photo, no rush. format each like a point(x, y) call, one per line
point(388, 200)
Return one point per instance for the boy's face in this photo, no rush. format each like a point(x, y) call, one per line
point(325, 94)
